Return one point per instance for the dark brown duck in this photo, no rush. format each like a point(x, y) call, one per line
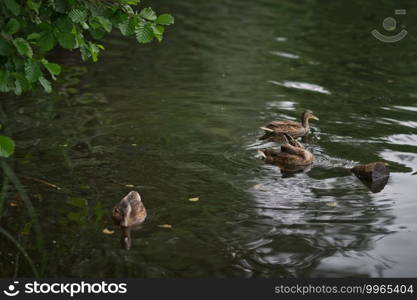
point(292, 153)
point(130, 211)
point(295, 129)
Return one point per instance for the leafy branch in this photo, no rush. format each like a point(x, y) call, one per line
point(30, 29)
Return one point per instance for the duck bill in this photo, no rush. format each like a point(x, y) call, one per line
point(314, 117)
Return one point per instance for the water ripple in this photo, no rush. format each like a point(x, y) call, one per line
point(302, 86)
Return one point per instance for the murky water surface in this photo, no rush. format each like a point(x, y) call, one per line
point(181, 119)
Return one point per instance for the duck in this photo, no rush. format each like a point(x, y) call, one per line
point(292, 128)
point(130, 211)
point(292, 155)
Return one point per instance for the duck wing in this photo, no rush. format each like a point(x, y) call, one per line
point(292, 128)
point(284, 124)
point(138, 213)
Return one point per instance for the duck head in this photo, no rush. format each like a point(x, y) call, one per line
point(308, 115)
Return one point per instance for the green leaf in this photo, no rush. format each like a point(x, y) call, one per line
point(85, 26)
point(18, 87)
point(78, 15)
point(21, 83)
point(47, 41)
point(32, 71)
point(144, 33)
point(33, 36)
point(148, 14)
point(165, 19)
point(98, 33)
point(6, 49)
point(60, 5)
point(53, 68)
point(5, 81)
point(128, 26)
point(12, 26)
point(85, 52)
point(23, 47)
point(13, 6)
point(127, 9)
point(33, 5)
point(131, 2)
point(67, 40)
point(124, 27)
point(64, 24)
point(94, 51)
point(106, 23)
point(46, 84)
point(6, 146)
point(158, 31)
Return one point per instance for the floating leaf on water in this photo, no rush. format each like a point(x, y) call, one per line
point(129, 185)
point(195, 199)
point(13, 203)
point(165, 226)
point(108, 231)
point(258, 186)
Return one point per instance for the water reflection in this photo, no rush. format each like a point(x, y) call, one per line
point(301, 85)
point(285, 54)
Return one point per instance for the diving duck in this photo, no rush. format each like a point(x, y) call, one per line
point(292, 128)
point(292, 154)
point(130, 211)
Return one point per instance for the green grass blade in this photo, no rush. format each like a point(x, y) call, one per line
point(22, 250)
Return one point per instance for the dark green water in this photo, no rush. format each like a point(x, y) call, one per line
point(181, 119)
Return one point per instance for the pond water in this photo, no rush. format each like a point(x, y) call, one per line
point(180, 120)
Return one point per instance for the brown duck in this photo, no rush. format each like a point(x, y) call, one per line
point(292, 128)
point(292, 154)
point(130, 211)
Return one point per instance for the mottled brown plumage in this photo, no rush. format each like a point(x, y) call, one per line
point(130, 211)
point(292, 128)
point(292, 154)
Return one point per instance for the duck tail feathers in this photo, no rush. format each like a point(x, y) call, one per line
point(262, 153)
point(267, 129)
